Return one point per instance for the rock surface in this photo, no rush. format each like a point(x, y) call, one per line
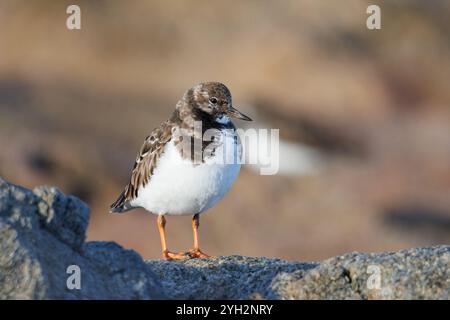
point(42, 233)
point(421, 273)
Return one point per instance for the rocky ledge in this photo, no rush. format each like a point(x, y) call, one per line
point(43, 255)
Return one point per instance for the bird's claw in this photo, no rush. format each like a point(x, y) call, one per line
point(198, 254)
point(169, 256)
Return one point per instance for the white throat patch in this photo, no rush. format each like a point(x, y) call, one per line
point(223, 120)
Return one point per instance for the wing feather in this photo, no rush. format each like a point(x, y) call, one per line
point(143, 168)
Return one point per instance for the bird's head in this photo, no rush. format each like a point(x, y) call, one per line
point(214, 99)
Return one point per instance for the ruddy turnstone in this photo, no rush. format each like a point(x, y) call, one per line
point(188, 163)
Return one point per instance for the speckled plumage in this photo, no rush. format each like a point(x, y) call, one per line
point(195, 106)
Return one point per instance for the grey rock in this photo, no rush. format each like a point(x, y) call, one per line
point(420, 273)
point(233, 277)
point(42, 232)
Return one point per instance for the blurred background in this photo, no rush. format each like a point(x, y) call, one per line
point(364, 116)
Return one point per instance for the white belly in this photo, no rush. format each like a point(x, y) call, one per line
point(178, 187)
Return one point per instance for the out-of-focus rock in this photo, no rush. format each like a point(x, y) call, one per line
point(42, 233)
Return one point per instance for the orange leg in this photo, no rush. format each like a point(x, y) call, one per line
point(195, 252)
point(162, 235)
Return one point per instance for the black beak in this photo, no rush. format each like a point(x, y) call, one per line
point(234, 113)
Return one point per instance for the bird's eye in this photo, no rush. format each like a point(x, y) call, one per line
point(213, 100)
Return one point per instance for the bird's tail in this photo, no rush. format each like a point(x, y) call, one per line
point(120, 205)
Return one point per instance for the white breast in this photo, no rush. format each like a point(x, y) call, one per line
point(178, 187)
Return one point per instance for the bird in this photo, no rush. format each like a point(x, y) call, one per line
point(188, 163)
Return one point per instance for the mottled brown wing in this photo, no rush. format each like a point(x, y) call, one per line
point(144, 165)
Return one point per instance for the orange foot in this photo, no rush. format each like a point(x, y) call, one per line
point(198, 254)
point(169, 256)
